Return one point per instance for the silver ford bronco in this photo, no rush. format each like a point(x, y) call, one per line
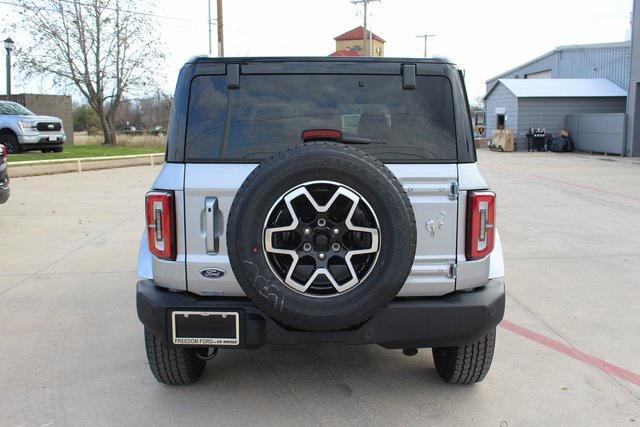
point(320, 200)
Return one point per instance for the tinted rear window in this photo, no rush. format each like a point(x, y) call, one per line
point(269, 112)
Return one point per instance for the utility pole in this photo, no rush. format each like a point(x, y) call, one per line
point(209, 24)
point(365, 43)
point(426, 37)
point(220, 33)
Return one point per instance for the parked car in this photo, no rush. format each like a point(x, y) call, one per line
point(337, 200)
point(4, 176)
point(157, 130)
point(22, 130)
point(131, 130)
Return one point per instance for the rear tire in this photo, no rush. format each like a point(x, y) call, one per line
point(173, 366)
point(465, 364)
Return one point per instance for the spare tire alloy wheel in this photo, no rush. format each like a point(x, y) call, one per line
point(321, 241)
point(321, 237)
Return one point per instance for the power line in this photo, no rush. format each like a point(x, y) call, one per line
point(426, 38)
point(113, 9)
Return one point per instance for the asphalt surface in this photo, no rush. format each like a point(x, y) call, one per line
point(72, 352)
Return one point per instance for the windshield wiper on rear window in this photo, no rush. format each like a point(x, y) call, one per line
point(335, 135)
point(359, 140)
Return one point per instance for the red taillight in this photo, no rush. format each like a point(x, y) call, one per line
point(161, 228)
point(319, 134)
point(481, 222)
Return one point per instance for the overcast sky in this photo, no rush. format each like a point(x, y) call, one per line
point(484, 38)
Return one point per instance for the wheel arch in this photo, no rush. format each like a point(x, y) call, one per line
point(7, 130)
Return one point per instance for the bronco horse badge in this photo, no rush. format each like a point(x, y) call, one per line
point(435, 224)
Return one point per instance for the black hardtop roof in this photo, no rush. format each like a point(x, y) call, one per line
point(332, 59)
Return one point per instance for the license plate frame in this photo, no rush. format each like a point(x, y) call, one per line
point(203, 323)
point(53, 138)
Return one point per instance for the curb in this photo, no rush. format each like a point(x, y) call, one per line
point(80, 164)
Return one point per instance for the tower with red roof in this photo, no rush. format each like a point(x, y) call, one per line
point(351, 43)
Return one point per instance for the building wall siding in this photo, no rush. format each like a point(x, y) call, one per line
point(608, 63)
point(580, 63)
point(633, 101)
point(600, 133)
point(378, 46)
point(550, 113)
point(501, 97)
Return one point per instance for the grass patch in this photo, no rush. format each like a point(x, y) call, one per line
point(126, 140)
point(73, 151)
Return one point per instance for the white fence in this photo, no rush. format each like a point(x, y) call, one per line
point(45, 167)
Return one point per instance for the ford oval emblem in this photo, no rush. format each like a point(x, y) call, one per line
point(213, 273)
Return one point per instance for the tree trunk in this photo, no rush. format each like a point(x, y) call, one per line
point(107, 137)
point(112, 132)
point(109, 118)
point(108, 128)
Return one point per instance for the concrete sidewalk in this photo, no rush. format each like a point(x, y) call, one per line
point(72, 349)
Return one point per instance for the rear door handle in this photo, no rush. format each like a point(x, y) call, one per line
point(212, 242)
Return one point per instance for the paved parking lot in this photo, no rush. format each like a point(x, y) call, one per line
point(71, 348)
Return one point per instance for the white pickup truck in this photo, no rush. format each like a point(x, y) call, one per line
point(22, 130)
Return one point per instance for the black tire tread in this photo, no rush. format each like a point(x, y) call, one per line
point(173, 366)
point(11, 142)
point(465, 364)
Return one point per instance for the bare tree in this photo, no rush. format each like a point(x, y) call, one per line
point(479, 103)
point(107, 49)
point(145, 113)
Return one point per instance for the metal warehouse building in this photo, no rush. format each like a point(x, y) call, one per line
point(581, 88)
point(587, 61)
point(556, 104)
point(633, 105)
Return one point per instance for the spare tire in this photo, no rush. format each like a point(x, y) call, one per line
point(321, 237)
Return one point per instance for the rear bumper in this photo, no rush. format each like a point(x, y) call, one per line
point(454, 319)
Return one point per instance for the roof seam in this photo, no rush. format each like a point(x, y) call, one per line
point(561, 88)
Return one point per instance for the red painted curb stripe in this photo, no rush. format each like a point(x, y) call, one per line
point(560, 181)
point(607, 367)
point(587, 187)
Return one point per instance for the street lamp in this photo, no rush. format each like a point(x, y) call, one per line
point(8, 45)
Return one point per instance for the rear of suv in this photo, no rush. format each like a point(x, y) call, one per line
point(320, 200)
